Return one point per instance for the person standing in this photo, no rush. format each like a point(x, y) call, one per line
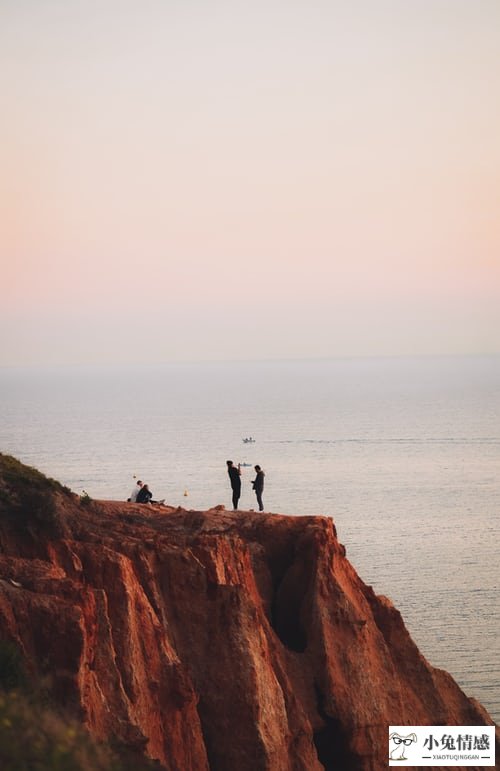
point(235, 478)
point(258, 486)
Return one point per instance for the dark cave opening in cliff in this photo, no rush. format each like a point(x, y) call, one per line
point(290, 583)
point(287, 625)
point(331, 742)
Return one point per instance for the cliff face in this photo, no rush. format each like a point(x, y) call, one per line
point(217, 640)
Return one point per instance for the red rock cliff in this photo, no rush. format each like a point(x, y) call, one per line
point(217, 640)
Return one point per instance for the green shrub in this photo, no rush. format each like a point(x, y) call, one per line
point(85, 499)
point(27, 497)
point(12, 673)
point(37, 739)
point(34, 737)
point(15, 472)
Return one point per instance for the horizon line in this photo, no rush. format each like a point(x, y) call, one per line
point(266, 360)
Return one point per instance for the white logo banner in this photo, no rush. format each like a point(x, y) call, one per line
point(441, 745)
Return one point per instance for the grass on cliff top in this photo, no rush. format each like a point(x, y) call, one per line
point(17, 474)
point(37, 736)
point(27, 499)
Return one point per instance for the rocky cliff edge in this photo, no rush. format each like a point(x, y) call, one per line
point(212, 640)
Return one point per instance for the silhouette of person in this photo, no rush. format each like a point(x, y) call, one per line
point(235, 478)
point(258, 486)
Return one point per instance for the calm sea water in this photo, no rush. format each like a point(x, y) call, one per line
point(404, 454)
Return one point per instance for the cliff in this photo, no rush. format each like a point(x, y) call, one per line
point(210, 640)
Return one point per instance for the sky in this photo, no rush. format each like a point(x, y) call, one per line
point(187, 180)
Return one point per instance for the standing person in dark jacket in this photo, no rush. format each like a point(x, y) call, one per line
point(235, 477)
point(258, 486)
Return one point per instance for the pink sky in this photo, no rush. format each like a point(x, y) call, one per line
point(237, 180)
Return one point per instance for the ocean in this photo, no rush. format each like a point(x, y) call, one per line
point(403, 454)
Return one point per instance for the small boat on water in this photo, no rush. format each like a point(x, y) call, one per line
point(248, 440)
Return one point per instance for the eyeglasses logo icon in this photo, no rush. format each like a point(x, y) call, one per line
point(400, 742)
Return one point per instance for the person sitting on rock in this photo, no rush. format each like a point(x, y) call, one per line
point(135, 492)
point(146, 496)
